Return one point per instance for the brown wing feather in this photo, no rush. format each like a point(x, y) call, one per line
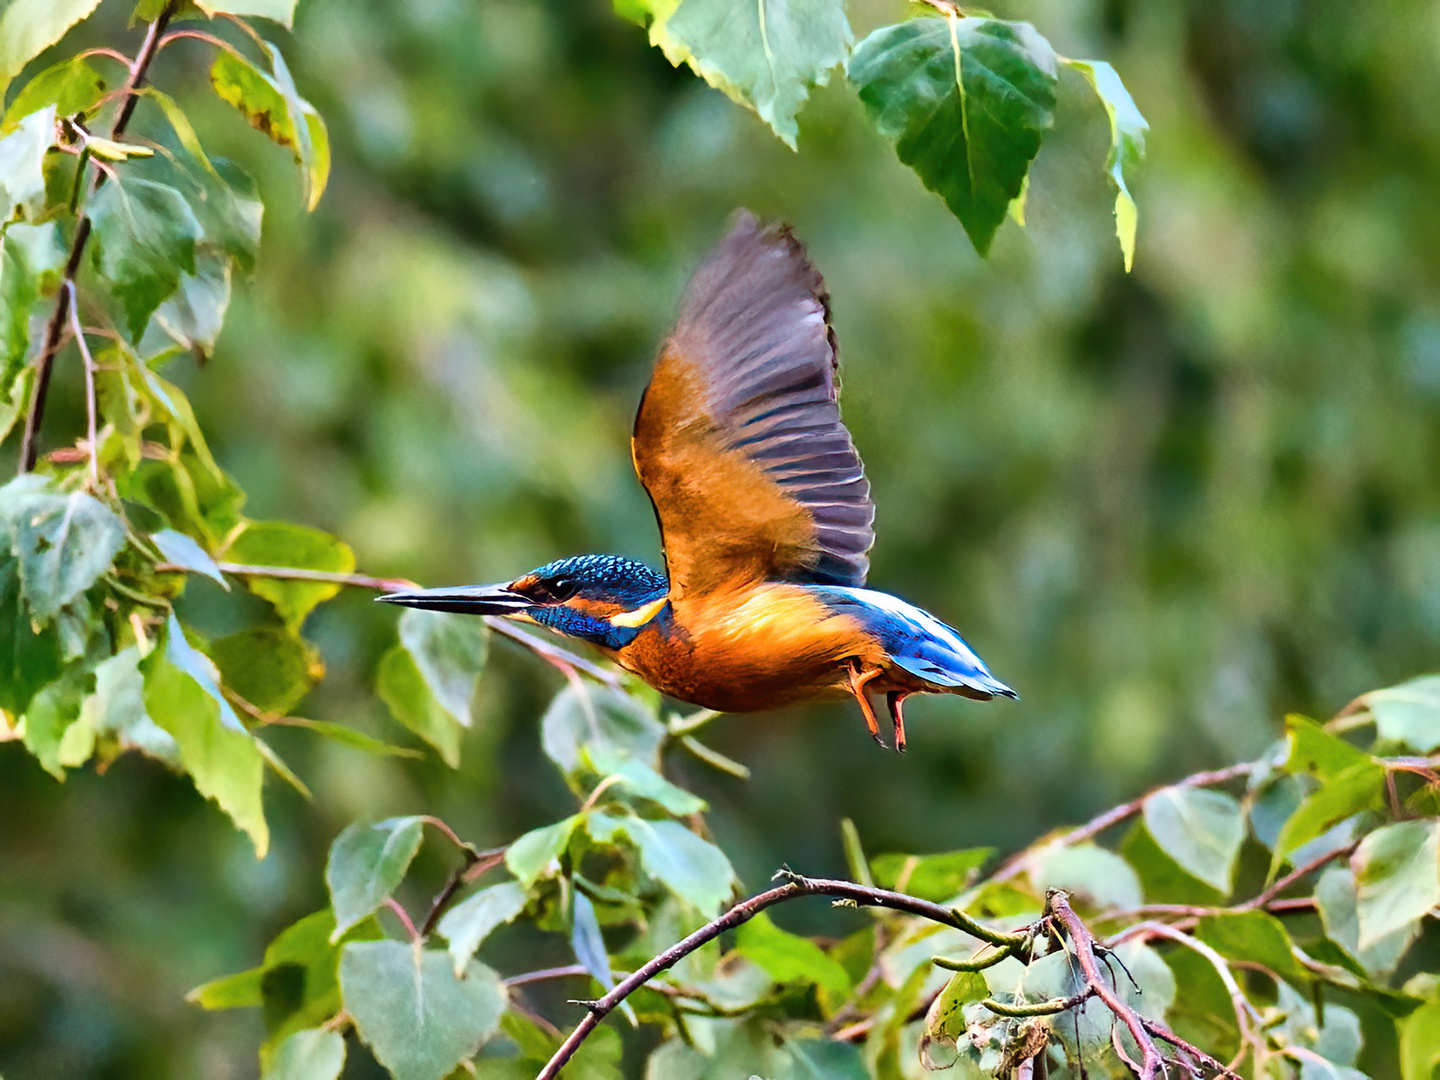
point(739, 439)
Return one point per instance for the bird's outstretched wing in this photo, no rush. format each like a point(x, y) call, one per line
point(739, 440)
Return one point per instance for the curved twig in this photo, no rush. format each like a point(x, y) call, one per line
point(795, 886)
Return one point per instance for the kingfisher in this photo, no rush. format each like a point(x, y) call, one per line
point(765, 519)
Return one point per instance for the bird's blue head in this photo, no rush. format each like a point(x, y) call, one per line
point(604, 599)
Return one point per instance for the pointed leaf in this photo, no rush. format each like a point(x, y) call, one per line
point(401, 686)
point(1316, 751)
point(1100, 876)
point(144, 239)
point(532, 855)
point(1353, 790)
point(22, 165)
point(765, 56)
point(282, 11)
point(179, 549)
point(587, 941)
point(693, 869)
point(116, 710)
point(280, 543)
point(593, 717)
point(72, 86)
point(450, 652)
point(1255, 937)
point(195, 312)
point(640, 780)
point(1338, 904)
point(467, 925)
point(366, 864)
point(1127, 145)
point(224, 762)
point(200, 668)
point(19, 290)
point(64, 543)
point(269, 667)
point(1420, 1043)
point(1409, 713)
point(418, 1019)
point(29, 27)
point(29, 659)
point(1397, 877)
point(1200, 829)
point(930, 877)
point(970, 138)
point(788, 957)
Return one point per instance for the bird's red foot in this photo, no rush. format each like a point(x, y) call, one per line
point(857, 687)
point(895, 700)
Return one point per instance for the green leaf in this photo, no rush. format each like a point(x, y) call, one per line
point(970, 139)
point(282, 11)
point(176, 547)
point(29, 27)
point(29, 659)
point(593, 717)
point(692, 868)
point(273, 106)
point(116, 714)
point(18, 293)
point(532, 855)
point(788, 957)
point(1397, 877)
point(587, 941)
point(230, 213)
point(450, 652)
point(1350, 791)
point(182, 697)
point(280, 543)
point(64, 543)
point(765, 56)
point(1420, 1043)
point(51, 712)
point(312, 144)
point(72, 86)
point(1408, 713)
point(468, 924)
point(144, 239)
point(1200, 829)
point(195, 312)
point(1163, 880)
point(945, 1019)
point(269, 667)
point(1100, 876)
point(418, 1019)
point(1315, 751)
point(22, 165)
point(311, 1054)
point(1338, 904)
point(1127, 145)
point(1254, 937)
point(639, 779)
point(401, 686)
point(355, 740)
point(367, 864)
point(243, 990)
point(930, 877)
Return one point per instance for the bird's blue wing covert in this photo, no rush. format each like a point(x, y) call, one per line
point(739, 440)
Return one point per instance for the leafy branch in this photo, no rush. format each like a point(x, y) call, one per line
point(65, 298)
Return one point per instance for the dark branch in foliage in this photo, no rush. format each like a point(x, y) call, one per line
point(55, 328)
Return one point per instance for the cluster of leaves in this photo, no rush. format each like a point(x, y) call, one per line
point(965, 99)
point(1268, 928)
point(129, 245)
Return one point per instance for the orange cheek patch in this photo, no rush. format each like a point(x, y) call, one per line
point(597, 609)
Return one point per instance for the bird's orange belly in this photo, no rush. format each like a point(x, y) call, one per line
point(771, 646)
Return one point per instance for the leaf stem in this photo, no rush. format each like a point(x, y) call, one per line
point(79, 332)
point(54, 329)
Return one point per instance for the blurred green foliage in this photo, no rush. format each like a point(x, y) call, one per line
point(1167, 507)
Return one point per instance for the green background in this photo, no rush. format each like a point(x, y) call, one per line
point(1167, 507)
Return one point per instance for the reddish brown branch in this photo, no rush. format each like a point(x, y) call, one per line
point(795, 886)
point(55, 328)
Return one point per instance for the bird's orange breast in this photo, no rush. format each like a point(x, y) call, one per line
point(744, 650)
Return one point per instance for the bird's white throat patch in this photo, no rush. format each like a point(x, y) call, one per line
point(640, 616)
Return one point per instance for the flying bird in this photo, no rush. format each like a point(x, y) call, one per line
point(765, 519)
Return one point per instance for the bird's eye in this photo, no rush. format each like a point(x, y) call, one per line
point(562, 588)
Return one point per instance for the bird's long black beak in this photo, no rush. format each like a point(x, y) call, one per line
point(464, 599)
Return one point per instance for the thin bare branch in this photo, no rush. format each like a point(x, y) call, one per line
point(90, 428)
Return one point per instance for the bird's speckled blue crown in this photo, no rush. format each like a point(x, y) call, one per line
point(608, 577)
